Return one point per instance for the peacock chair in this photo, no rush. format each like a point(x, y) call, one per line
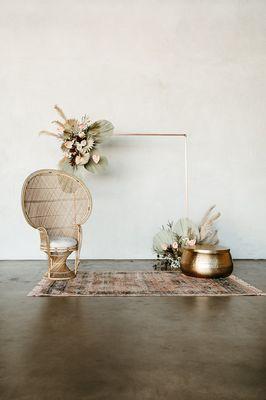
point(57, 204)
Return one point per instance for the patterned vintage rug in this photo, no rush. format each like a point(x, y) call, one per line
point(143, 284)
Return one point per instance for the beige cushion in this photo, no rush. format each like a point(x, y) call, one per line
point(62, 242)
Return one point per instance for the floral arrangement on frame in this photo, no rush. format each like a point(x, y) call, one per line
point(80, 142)
point(169, 242)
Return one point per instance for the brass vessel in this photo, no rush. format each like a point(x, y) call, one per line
point(206, 261)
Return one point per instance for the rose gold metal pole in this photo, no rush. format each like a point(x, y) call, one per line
point(184, 135)
point(150, 134)
point(186, 177)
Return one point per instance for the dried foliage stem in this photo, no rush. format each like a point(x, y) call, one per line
point(60, 112)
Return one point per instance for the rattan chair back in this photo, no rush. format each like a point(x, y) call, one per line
point(56, 201)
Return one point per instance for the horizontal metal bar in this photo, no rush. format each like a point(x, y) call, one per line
point(150, 134)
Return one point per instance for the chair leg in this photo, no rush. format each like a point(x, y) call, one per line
point(49, 266)
point(57, 268)
point(77, 262)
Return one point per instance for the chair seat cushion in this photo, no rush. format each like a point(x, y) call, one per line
point(62, 242)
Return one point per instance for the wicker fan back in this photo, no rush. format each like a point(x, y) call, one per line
point(56, 201)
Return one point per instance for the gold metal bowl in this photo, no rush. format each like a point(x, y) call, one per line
point(206, 261)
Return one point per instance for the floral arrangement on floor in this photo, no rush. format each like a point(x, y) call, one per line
point(80, 142)
point(169, 242)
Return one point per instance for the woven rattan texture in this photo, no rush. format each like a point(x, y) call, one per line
point(56, 201)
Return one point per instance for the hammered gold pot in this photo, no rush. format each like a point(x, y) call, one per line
point(205, 261)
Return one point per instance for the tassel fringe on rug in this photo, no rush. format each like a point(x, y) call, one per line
point(133, 284)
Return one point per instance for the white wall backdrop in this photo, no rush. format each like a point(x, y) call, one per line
point(195, 66)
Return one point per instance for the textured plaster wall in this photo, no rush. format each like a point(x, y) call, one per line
point(185, 66)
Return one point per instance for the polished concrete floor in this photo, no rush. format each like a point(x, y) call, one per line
point(166, 348)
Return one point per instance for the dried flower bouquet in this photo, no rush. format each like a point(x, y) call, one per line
point(169, 242)
point(80, 142)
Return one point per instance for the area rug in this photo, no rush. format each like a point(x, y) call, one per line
point(143, 283)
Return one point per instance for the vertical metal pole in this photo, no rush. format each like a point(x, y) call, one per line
point(186, 177)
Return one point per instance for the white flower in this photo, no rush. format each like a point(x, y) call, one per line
point(191, 242)
point(90, 143)
point(164, 246)
point(175, 245)
point(78, 160)
point(83, 143)
point(81, 135)
point(85, 159)
point(96, 158)
point(69, 144)
point(81, 160)
point(83, 150)
point(78, 146)
point(67, 154)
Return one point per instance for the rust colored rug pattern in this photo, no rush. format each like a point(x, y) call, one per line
point(141, 283)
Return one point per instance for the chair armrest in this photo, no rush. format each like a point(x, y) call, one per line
point(78, 231)
point(45, 241)
point(45, 245)
point(78, 234)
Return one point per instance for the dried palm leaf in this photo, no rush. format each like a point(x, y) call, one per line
point(185, 228)
point(101, 130)
point(65, 165)
point(162, 238)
